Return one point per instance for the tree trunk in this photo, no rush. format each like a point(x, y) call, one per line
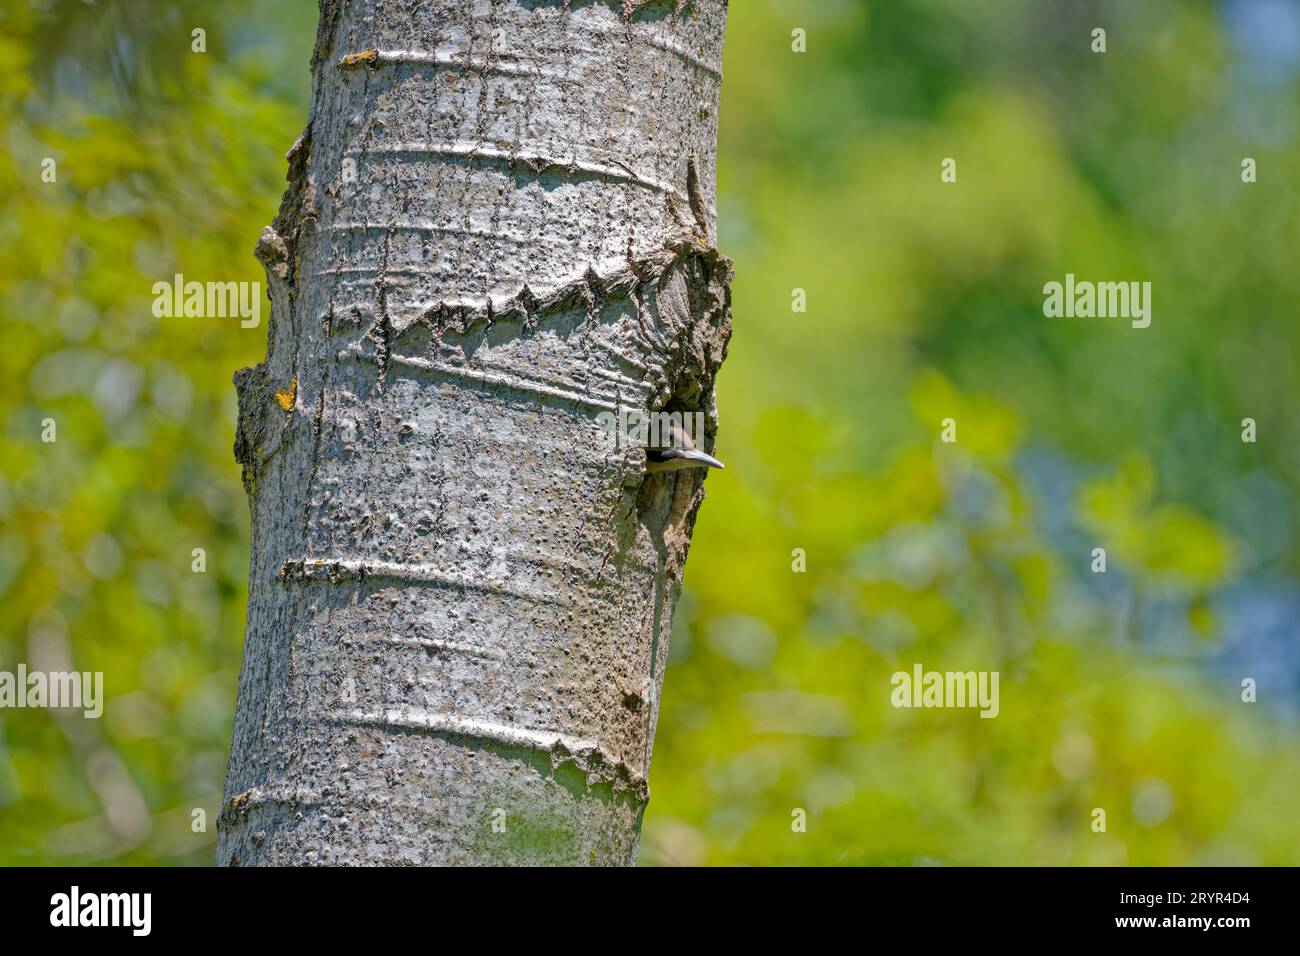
point(499, 224)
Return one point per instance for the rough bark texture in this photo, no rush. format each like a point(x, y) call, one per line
point(460, 596)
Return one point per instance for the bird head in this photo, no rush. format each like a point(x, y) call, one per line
point(676, 451)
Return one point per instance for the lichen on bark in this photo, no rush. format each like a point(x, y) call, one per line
point(499, 223)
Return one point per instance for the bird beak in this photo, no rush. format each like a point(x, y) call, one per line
point(694, 454)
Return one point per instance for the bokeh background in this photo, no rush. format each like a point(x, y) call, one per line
point(924, 301)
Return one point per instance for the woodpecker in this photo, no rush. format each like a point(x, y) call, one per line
point(677, 452)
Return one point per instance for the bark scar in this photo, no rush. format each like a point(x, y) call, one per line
point(696, 199)
point(256, 392)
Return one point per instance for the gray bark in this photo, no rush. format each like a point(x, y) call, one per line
point(460, 596)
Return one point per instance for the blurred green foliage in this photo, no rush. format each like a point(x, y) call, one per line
point(1119, 691)
point(167, 161)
